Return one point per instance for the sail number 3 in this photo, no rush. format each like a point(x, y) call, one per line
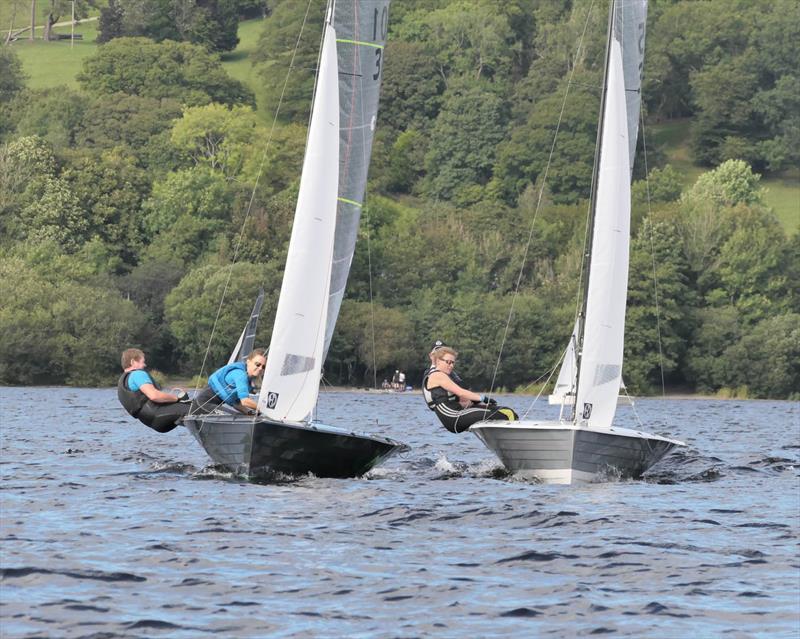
point(380, 28)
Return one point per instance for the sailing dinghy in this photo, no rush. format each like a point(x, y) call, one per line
point(588, 446)
point(283, 437)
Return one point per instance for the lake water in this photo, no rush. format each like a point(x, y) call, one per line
point(111, 530)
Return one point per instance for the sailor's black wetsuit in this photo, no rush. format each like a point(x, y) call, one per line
point(160, 417)
point(453, 417)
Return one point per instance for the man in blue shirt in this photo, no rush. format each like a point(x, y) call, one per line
point(143, 398)
point(232, 385)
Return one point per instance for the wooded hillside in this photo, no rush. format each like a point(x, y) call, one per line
point(124, 201)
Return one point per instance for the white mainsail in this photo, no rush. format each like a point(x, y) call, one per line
point(361, 28)
point(291, 379)
point(604, 327)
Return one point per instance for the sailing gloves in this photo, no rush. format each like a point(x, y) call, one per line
point(488, 401)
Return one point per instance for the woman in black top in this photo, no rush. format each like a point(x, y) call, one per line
point(456, 407)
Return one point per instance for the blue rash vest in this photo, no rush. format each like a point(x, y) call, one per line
point(230, 383)
point(139, 378)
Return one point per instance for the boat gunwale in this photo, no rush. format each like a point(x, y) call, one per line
point(328, 429)
point(526, 424)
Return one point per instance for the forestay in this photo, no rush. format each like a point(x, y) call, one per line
point(361, 27)
point(291, 379)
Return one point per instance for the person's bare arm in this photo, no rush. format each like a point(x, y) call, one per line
point(247, 405)
point(157, 396)
point(440, 379)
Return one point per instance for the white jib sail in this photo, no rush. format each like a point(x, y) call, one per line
point(604, 332)
point(564, 390)
point(291, 379)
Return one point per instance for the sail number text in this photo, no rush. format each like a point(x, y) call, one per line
point(380, 27)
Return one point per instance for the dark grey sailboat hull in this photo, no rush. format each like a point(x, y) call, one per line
point(256, 448)
point(564, 453)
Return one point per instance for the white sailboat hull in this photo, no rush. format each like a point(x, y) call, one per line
point(565, 453)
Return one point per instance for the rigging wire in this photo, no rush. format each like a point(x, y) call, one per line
point(549, 376)
point(653, 259)
point(539, 203)
point(259, 172)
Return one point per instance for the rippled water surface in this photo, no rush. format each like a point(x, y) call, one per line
point(111, 530)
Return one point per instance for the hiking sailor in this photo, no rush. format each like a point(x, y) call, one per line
point(143, 398)
point(456, 407)
point(232, 385)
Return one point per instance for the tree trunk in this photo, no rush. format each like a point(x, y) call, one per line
point(48, 26)
point(11, 26)
point(33, 20)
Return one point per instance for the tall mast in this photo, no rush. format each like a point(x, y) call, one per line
point(593, 213)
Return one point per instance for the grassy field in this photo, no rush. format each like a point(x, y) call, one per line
point(55, 63)
point(782, 191)
point(49, 64)
point(238, 64)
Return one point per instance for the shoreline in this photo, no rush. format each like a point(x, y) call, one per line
point(186, 385)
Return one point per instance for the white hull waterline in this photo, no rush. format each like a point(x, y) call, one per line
point(565, 453)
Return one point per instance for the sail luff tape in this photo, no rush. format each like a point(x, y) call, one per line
point(360, 43)
point(346, 201)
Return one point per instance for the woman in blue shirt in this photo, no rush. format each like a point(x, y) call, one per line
point(232, 385)
point(143, 398)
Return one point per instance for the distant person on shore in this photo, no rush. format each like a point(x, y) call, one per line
point(456, 407)
point(143, 398)
point(232, 385)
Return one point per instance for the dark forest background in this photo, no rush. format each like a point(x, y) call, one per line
point(123, 200)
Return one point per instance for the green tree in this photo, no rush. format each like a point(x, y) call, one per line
point(723, 95)
point(210, 23)
point(523, 157)
point(130, 120)
point(54, 114)
point(750, 267)
point(110, 187)
point(220, 138)
point(178, 70)
point(704, 220)
point(472, 39)
point(286, 55)
point(22, 161)
point(463, 142)
point(707, 364)
point(767, 359)
point(208, 309)
point(779, 109)
point(411, 89)
point(12, 77)
point(369, 339)
point(185, 214)
point(658, 322)
point(66, 329)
